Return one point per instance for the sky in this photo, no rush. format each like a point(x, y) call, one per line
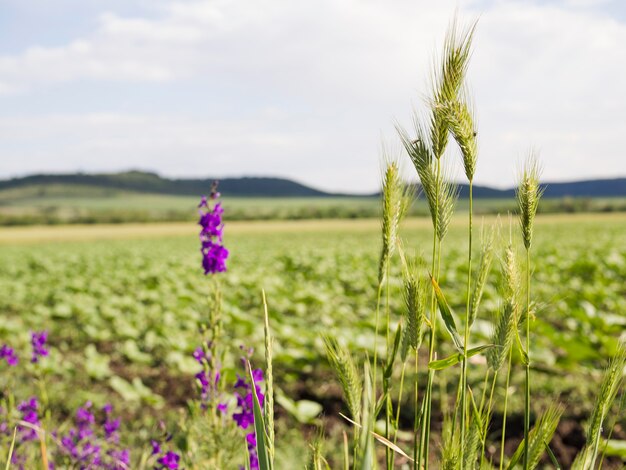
point(305, 90)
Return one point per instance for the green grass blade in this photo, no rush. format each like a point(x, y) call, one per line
point(10, 456)
point(392, 357)
point(446, 314)
point(552, 457)
point(259, 428)
point(457, 357)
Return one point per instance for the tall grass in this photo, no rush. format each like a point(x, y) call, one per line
point(368, 386)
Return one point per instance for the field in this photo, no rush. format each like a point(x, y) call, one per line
point(123, 306)
point(62, 204)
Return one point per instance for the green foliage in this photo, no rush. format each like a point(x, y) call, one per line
point(540, 435)
point(613, 378)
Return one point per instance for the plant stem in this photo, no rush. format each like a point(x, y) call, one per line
point(436, 265)
point(397, 420)
point(467, 319)
point(417, 448)
point(386, 387)
point(378, 296)
point(489, 408)
point(506, 402)
point(527, 401)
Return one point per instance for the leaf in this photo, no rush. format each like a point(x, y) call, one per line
point(392, 357)
point(520, 347)
point(458, 357)
point(381, 439)
point(615, 448)
point(446, 314)
point(305, 411)
point(552, 457)
point(259, 427)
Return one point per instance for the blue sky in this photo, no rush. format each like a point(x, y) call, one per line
point(306, 90)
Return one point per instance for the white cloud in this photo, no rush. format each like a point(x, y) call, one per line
point(330, 76)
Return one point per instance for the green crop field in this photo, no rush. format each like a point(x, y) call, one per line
point(124, 304)
point(60, 204)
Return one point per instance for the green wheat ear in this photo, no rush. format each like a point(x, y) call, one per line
point(528, 194)
point(397, 197)
point(342, 362)
point(507, 323)
point(415, 293)
point(484, 267)
point(609, 388)
point(461, 121)
point(269, 380)
point(447, 80)
point(440, 193)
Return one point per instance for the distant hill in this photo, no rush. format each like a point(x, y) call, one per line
point(145, 182)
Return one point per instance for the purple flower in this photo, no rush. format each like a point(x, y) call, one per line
point(169, 460)
point(84, 418)
point(214, 257)
point(121, 458)
point(245, 416)
point(38, 342)
point(156, 447)
point(29, 410)
point(201, 356)
point(110, 427)
point(8, 353)
point(214, 254)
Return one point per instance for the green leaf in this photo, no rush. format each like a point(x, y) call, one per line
point(552, 457)
point(457, 357)
point(392, 356)
point(615, 448)
point(259, 428)
point(446, 314)
point(521, 349)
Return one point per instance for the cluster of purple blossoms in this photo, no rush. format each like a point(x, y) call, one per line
point(29, 411)
point(214, 254)
point(166, 459)
point(82, 446)
point(208, 380)
point(8, 353)
point(245, 417)
point(38, 341)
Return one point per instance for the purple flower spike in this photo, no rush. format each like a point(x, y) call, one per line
point(214, 254)
point(8, 353)
point(38, 341)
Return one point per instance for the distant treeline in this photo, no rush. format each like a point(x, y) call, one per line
point(145, 182)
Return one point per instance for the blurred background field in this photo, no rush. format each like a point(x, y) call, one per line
point(123, 305)
point(62, 205)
